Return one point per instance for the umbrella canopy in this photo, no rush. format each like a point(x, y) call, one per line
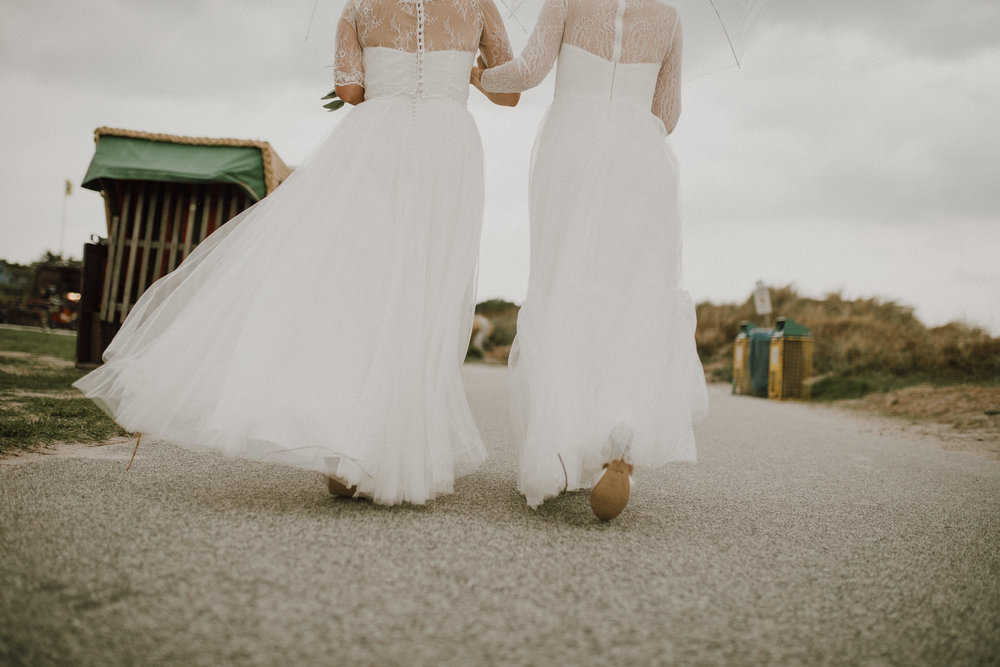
point(716, 32)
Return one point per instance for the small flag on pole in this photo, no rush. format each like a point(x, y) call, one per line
point(69, 188)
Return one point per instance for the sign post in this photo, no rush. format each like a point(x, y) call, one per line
point(762, 302)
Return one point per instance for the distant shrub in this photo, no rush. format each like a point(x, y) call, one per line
point(503, 315)
point(495, 306)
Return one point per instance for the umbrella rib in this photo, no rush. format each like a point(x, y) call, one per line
point(312, 15)
point(725, 32)
point(513, 7)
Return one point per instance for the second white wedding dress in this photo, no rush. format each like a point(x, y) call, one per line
point(604, 362)
point(325, 326)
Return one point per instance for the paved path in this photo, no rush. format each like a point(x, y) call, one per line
point(806, 535)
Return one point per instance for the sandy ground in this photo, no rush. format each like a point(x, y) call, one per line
point(962, 416)
point(805, 535)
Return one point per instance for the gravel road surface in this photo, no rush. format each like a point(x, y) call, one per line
point(805, 535)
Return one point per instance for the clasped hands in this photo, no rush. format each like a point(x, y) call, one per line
point(475, 78)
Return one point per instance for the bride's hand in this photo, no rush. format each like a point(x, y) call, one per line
point(475, 77)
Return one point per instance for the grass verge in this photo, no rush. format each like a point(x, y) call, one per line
point(38, 405)
point(837, 387)
point(39, 343)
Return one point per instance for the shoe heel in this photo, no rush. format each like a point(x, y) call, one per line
point(338, 488)
point(611, 493)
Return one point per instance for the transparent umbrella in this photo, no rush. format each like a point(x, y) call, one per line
point(716, 32)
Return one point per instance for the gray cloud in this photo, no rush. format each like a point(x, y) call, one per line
point(854, 125)
point(834, 126)
point(161, 49)
point(937, 28)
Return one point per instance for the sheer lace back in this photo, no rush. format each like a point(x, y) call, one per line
point(417, 27)
point(620, 31)
point(646, 28)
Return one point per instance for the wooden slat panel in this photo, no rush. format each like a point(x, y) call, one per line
point(219, 217)
point(192, 214)
point(225, 199)
point(206, 213)
point(214, 198)
point(109, 308)
point(108, 193)
point(114, 224)
point(234, 206)
point(154, 252)
point(133, 251)
point(147, 241)
point(109, 213)
point(161, 243)
point(175, 233)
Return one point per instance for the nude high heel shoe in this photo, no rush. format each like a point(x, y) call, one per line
point(338, 488)
point(611, 493)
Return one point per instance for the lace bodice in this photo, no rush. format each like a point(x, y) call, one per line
point(618, 31)
point(417, 27)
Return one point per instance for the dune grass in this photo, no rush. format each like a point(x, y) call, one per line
point(861, 346)
point(38, 405)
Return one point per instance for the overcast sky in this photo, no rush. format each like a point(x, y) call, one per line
point(858, 150)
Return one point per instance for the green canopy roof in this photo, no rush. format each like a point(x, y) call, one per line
point(788, 327)
point(128, 155)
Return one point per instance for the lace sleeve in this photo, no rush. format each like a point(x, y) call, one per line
point(538, 56)
point(667, 98)
point(348, 66)
point(494, 44)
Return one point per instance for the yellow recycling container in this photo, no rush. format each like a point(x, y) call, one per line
point(741, 359)
point(790, 365)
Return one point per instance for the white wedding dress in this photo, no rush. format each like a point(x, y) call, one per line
point(325, 326)
point(604, 362)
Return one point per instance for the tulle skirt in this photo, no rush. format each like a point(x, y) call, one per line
point(604, 363)
point(325, 326)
